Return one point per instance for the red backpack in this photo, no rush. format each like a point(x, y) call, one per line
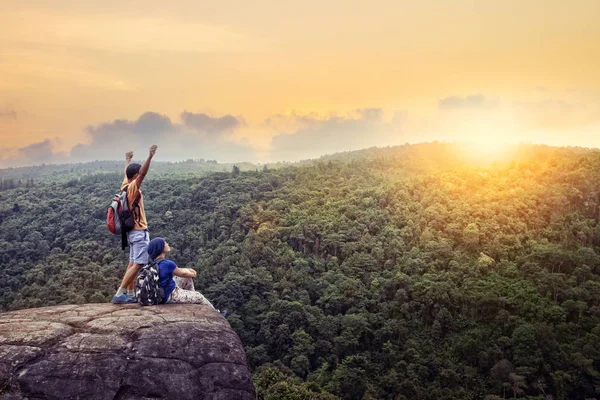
point(119, 217)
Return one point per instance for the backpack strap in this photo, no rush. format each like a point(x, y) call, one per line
point(123, 233)
point(125, 190)
point(123, 239)
point(158, 268)
point(136, 202)
point(134, 205)
point(168, 282)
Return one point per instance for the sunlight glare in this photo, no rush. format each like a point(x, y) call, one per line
point(492, 148)
point(488, 137)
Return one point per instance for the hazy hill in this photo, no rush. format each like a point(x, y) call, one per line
point(61, 172)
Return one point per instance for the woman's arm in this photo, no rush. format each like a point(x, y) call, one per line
point(184, 272)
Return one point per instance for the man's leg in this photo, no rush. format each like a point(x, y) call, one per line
point(138, 257)
point(117, 298)
point(129, 278)
point(131, 286)
point(122, 290)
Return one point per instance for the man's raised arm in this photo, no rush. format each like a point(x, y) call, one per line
point(128, 157)
point(146, 166)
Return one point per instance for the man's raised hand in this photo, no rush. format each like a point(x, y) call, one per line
point(153, 150)
point(129, 155)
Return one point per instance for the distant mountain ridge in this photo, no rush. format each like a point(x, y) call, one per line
point(448, 151)
point(68, 171)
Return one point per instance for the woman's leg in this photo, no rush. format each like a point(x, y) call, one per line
point(182, 296)
point(184, 283)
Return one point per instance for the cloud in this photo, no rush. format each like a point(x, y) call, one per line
point(8, 113)
point(37, 152)
point(553, 114)
point(314, 136)
point(106, 137)
point(293, 137)
point(149, 125)
point(34, 153)
point(549, 105)
point(196, 136)
point(471, 101)
point(125, 33)
point(209, 125)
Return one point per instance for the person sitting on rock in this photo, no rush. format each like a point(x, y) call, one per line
point(177, 282)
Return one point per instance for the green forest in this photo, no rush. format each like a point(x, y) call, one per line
point(408, 272)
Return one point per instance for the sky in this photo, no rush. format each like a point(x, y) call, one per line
point(268, 81)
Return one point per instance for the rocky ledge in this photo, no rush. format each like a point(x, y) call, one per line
point(105, 351)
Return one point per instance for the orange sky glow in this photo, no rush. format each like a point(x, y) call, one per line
point(275, 80)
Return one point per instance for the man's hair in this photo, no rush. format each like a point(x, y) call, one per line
point(132, 169)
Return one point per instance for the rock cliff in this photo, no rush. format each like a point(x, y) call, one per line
point(105, 351)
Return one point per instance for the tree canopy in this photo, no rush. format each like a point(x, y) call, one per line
point(407, 272)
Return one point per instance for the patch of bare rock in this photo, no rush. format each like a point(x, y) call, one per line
point(121, 352)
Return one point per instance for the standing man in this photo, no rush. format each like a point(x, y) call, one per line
point(138, 238)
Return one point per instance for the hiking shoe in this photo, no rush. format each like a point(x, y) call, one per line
point(224, 313)
point(123, 299)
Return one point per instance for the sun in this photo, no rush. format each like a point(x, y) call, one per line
point(487, 137)
point(488, 147)
point(485, 151)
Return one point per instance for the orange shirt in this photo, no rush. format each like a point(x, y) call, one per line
point(139, 214)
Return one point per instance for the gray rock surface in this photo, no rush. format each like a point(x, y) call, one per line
point(119, 352)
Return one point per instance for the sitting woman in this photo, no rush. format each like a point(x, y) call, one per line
point(177, 282)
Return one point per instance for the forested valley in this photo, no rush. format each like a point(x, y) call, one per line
point(408, 272)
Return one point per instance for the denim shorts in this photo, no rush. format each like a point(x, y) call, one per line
point(138, 246)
